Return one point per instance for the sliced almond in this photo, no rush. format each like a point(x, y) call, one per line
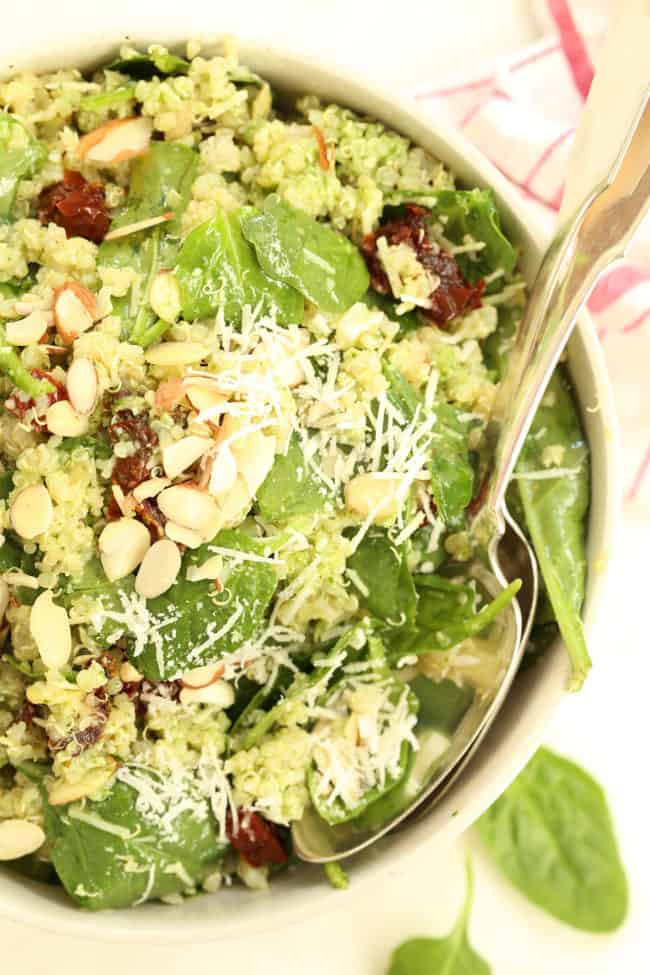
point(204, 398)
point(165, 296)
point(83, 385)
point(18, 837)
point(223, 472)
point(368, 494)
point(184, 536)
point(191, 508)
point(31, 511)
point(116, 140)
point(15, 577)
point(125, 502)
point(134, 228)
point(202, 676)
point(50, 627)
point(219, 693)
point(62, 420)
point(4, 597)
point(122, 546)
point(63, 793)
point(75, 310)
point(175, 353)
point(254, 455)
point(211, 570)
point(128, 674)
point(158, 569)
point(28, 331)
point(169, 393)
point(181, 454)
point(150, 488)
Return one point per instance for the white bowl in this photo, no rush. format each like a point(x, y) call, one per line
point(536, 695)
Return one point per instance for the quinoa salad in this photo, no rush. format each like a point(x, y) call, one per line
point(248, 350)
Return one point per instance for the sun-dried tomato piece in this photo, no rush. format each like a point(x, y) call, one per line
point(454, 295)
point(76, 205)
point(256, 839)
point(19, 405)
point(128, 472)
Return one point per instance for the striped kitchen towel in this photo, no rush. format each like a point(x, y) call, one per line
point(523, 116)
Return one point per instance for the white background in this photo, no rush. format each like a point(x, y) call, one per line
point(406, 44)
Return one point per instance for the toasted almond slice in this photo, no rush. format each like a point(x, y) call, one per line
point(4, 597)
point(158, 569)
point(50, 627)
point(129, 675)
point(254, 455)
point(18, 837)
point(14, 577)
point(202, 676)
point(190, 507)
point(181, 454)
point(150, 488)
point(116, 140)
point(62, 420)
point(125, 502)
point(63, 793)
point(169, 393)
point(223, 472)
point(211, 569)
point(204, 397)
point(135, 228)
point(28, 331)
point(175, 353)
point(31, 511)
point(184, 536)
point(219, 692)
point(75, 310)
point(366, 494)
point(165, 296)
point(122, 546)
point(82, 385)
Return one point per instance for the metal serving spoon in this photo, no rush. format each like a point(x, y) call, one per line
point(607, 194)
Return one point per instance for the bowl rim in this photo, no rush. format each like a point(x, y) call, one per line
point(27, 902)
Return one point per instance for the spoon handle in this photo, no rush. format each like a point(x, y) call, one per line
point(597, 221)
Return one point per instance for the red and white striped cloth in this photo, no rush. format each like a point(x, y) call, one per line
point(523, 116)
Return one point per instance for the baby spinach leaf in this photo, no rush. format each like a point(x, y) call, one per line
point(12, 366)
point(108, 99)
point(386, 587)
point(217, 268)
point(21, 157)
point(402, 395)
point(161, 182)
point(555, 509)
point(443, 704)
point(150, 65)
point(474, 212)
point(452, 955)
point(118, 852)
point(320, 263)
point(408, 322)
point(551, 833)
point(452, 474)
point(290, 488)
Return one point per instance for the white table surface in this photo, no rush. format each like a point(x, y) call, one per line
point(408, 43)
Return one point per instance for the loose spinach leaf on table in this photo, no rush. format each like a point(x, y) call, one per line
point(149, 65)
point(161, 182)
point(452, 473)
point(217, 268)
point(21, 157)
point(452, 955)
point(290, 488)
point(551, 833)
point(555, 509)
point(110, 854)
point(320, 263)
point(387, 586)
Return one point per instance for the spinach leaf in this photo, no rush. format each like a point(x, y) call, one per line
point(320, 263)
point(11, 365)
point(408, 322)
point(217, 268)
point(381, 578)
point(474, 212)
point(149, 65)
point(452, 474)
point(108, 99)
point(161, 180)
point(402, 395)
point(119, 852)
point(290, 488)
point(452, 955)
point(555, 509)
point(20, 158)
point(443, 704)
point(551, 833)
point(98, 446)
